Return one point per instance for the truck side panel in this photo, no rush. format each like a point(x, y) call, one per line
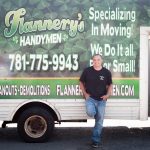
point(75, 109)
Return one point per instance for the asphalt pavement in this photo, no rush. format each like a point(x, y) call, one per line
point(78, 138)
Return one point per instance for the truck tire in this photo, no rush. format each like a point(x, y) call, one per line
point(35, 125)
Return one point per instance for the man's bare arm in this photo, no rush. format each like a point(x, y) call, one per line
point(86, 95)
point(109, 90)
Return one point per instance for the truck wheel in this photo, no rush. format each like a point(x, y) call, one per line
point(35, 125)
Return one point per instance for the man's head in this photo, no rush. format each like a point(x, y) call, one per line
point(97, 61)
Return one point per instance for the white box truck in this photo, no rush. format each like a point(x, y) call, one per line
point(44, 47)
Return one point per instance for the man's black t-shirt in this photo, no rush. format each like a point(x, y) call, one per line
point(96, 82)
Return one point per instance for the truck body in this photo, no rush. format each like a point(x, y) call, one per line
point(45, 46)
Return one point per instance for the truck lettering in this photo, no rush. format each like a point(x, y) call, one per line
point(15, 21)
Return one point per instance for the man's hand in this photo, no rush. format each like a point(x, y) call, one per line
point(105, 97)
point(86, 96)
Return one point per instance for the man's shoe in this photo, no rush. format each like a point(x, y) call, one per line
point(95, 145)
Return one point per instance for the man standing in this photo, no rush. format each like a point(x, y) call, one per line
point(96, 85)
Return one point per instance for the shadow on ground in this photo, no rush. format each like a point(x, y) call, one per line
point(78, 138)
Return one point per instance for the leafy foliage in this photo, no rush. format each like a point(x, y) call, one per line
point(80, 44)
